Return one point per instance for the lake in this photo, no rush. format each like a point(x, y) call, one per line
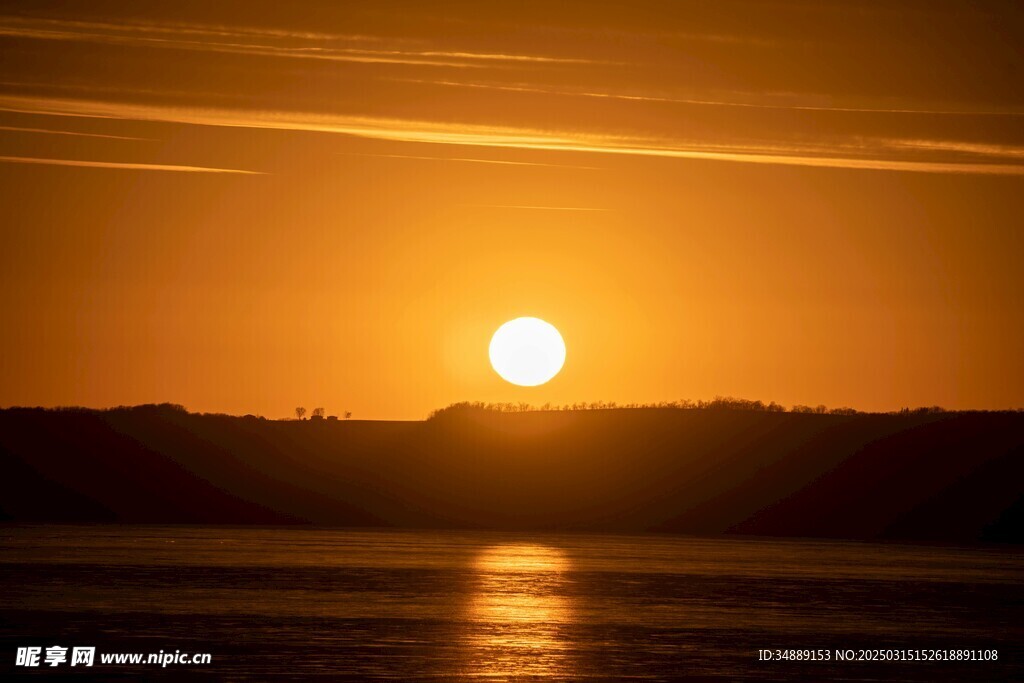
point(359, 605)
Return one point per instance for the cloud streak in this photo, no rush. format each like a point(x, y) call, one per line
point(473, 161)
point(534, 208)
point(122, 165)
point(50, 131)
point(297, 45)
point(969, 148)
point(175, 28)
point(852, 154)
point(558, 92)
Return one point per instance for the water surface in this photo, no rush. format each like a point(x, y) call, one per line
point(300, 604)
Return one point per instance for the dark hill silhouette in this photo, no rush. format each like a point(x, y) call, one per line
point(927, 475)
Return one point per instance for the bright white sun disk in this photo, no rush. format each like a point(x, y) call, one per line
point(527, 351)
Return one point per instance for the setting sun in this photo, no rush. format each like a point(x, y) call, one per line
point(527, 351)
point(287, 291)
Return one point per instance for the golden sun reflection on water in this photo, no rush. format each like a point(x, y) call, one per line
point(518, 613)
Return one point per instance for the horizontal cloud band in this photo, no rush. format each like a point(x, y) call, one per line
point(859, 154)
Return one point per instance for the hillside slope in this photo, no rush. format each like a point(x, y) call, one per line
point(940, 477)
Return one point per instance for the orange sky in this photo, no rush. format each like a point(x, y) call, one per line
point(249, 208)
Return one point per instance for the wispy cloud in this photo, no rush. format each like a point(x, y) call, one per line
point(472, 161)
point(291, 45)
point(50, 131)
point(708, 102)
point(178, 28)
point(959, 147)
point(123, 165)
point(534, 208)
point(851, 154)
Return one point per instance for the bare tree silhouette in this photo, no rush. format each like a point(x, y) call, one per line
point(717, 403)
point(318, 413)
point(300, 412)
